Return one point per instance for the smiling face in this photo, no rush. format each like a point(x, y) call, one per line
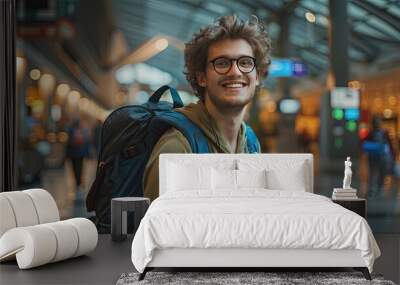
point(234, 89)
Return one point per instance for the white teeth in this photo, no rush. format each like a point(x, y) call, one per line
point(234, 85)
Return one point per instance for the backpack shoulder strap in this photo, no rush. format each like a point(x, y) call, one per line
point(252, 141)
point(194, 135)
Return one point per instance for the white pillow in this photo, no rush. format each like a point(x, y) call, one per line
point(280, 174)
point(226, 179)
point(183, 177)
point(223, 179)
point(251, 178)
point(292, 180)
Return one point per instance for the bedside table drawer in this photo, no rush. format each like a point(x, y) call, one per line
point(358, 206)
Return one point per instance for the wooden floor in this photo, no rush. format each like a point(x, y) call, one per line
point(389, 262)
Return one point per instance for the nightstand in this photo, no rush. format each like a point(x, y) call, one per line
point(119, 215)
point(358, 206)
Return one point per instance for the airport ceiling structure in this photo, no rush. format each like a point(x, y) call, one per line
point(374, 28)
point(374, 34)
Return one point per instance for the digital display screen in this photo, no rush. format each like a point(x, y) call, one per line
point(346, 98)
point(287, 68)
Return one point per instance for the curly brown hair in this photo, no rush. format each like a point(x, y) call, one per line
point(226, 27)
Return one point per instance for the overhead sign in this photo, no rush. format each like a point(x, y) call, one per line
point(343, 97)
point(287, 68)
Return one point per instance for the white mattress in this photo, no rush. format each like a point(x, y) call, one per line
point(252, 218)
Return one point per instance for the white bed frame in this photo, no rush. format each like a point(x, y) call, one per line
point(250, 258)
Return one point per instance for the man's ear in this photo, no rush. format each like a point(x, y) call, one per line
point(201, 79)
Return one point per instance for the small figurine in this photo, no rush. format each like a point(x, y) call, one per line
point(347, 174)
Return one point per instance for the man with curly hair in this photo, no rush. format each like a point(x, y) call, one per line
point(224, 65)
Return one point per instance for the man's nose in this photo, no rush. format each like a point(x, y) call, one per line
point(234, 69)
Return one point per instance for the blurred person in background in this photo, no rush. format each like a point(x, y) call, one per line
point(78, 148)
point(381, 156)
point(97, 137)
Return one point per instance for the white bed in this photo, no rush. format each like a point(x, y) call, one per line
point(203, 220)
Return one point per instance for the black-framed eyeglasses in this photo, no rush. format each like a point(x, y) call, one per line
point(222, 65)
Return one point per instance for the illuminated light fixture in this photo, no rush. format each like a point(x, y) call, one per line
point(337, 114)
point(144, 74)
point(73, 97)
point(47, 83)
point(176, 43)
point(363, 132)
point(35, 74)
point(62, 90)
point(146, 51)
point(289, 106)
point(93, 109)
point(351, 126)
point(387, 113)
point(161, 44)
point(310, 17)
point(83, 103)
point(126, 74)
point(55, 112)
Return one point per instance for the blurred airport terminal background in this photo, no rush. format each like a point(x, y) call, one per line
point(335, 67)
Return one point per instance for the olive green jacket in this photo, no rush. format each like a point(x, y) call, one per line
point(173, 141)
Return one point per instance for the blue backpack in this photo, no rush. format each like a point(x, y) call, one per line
point(128, 136)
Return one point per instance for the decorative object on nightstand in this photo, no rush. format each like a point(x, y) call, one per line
point(119, 209)
point(358, 205)
point(346, 192)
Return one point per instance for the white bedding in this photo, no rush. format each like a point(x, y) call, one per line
point(251, 218)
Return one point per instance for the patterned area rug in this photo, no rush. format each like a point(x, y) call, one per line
point(273, 278)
